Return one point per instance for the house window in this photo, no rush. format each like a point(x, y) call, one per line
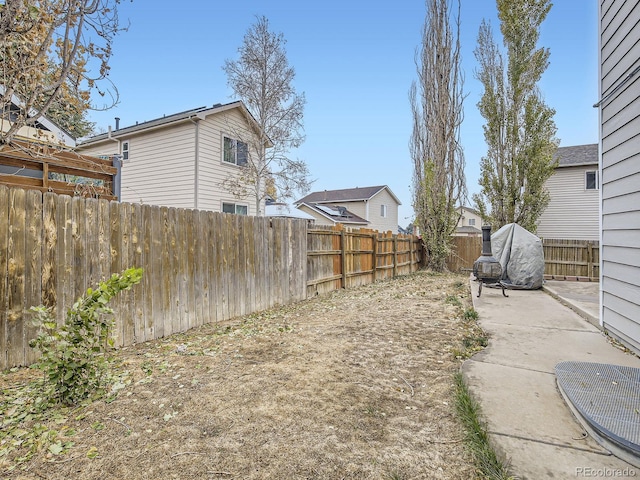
point(383, 211)
point(125, 151)
point(591, 180)
point(235, 151)
point(234, 208)
point(472, 222)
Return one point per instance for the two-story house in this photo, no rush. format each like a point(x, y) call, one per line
point(182, 160)
point(469, 222)
point(361, 207)
point(572, 212)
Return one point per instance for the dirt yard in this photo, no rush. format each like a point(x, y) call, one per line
point(353, 385)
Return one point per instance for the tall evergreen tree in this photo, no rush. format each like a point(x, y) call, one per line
point(519, 129)
point(436, 103)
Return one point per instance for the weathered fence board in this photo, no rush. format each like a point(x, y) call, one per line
point(33, 270)
point(16, 265)
point(4, 278)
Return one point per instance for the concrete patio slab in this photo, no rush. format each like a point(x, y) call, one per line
point(513, 379)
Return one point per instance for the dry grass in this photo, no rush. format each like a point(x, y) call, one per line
point(358, 384)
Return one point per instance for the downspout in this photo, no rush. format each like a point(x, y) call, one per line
point(196, 176)
point(117, 179)
point(117, 162)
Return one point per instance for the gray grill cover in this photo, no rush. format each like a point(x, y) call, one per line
point(521, 255)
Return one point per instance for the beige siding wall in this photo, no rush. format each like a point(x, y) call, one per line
point(212, 170)
point(359, 208)
point(377, 221)
point(469, 219)
point(573, 210)
point(620, 173)
point(160, 169)
point(371, 211)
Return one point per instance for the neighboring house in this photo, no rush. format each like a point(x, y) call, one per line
point(469, 223)
point(619, 104)
point(573, 211)
point(43, 130)
point(360, 207)
point(181, 160)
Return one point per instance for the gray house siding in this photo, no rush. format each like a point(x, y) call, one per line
point(620, 168)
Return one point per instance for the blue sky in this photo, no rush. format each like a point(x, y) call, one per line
point(355, 64)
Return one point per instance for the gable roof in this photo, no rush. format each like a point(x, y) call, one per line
point(200, 113)
point(468, 209)
point(335, 213)
point(577, 155)
point(358, 194)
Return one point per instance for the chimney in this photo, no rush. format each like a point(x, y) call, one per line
point(117, 123)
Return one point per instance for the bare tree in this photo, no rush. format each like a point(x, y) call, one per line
point(519, 129)
point(437, 106)
point(53, 53)
point(263, 80)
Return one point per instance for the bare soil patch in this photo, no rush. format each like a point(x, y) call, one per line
point(357, 384)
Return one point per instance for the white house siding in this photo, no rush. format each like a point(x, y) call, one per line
point(620, 169)
point(572, 212)
point(212, 171)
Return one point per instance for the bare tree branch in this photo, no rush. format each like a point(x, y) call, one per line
point(263, 80)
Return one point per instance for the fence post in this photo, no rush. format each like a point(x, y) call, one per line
point(395, 256)
point(343, 257)
point(374, 255)
point(590, 259)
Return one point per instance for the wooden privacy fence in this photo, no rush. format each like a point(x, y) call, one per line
point(199, 267)
point(562, 258)
point(340, 258)
point(465, 251)
point(571, 258)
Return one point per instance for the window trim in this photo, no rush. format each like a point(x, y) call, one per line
point(126, 150)
point(596, 178)
point(234, 150)
point(235, 207)
point(384, 211)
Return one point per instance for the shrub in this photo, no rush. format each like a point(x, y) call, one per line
point(74, 355)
